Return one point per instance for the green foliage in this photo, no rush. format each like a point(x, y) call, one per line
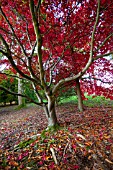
point(4, 161)
point(90, 102)
point(97, 101)
point(53, 128)
point(23, 105)
point(28, 90)
point(69, 99)
point(10, 84)
point(65, 95)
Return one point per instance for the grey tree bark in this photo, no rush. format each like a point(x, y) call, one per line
point(21, 100)
point(50, 109)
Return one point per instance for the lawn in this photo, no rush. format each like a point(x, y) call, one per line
point(83, 141)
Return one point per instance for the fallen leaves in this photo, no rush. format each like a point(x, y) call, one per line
point(84, 142)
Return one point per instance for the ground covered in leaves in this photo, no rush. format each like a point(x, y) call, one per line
point(84, 141)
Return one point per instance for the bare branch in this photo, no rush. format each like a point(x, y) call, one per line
point(51, 78)
point(37, 93)
point(5, 44)
point(3, 29)
point(12, 75)
point(8, 55)
point(107, 38)
point(102, 55)
point(38, 39)
point(94, 78)
point(94, 29)
point(28, 34)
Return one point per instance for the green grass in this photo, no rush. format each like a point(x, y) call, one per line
point(90, 102)
point(71, 99)
point(97, 101)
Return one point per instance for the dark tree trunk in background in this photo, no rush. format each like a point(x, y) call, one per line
point(80, 101)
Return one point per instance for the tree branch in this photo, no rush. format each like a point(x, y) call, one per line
point(12, 75)
point(92, 40)
point(104, 42)
point(8, 55)
point(102, 55)
point(94, 29)
point(17, 94)
point(38, 39)
point(89, 77)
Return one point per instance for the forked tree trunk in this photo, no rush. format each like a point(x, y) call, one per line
point(50, 111)
point(80, 101)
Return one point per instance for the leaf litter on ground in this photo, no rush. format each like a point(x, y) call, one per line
point(84, 141)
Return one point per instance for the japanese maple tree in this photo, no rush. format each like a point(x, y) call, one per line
point(51, 43)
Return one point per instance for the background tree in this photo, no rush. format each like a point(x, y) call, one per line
point(11, 84)
point(21, 100)
point(51, 43)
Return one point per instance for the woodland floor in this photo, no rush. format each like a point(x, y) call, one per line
point(83, 142)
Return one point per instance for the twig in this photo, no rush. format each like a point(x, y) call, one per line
point(110, 162)
point(65, 148)
point(53, 155)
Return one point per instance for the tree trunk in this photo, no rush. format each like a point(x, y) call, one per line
point(21, 100)
point(4, 103)
point(80, 101)
point(50, 111)
point(20, 92)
